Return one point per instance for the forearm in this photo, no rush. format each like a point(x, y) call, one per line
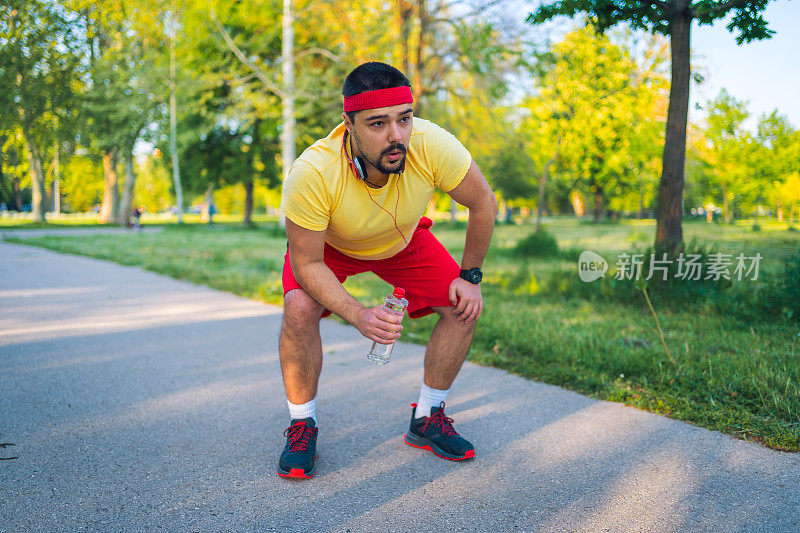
point(480, 227)
point(319, 281)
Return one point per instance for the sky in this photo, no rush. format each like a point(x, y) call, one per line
point(764, 73)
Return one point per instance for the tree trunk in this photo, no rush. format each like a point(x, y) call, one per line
point(577, 203)
point(780, 211)
point(110, 205)
point(424, 27)
point(248, 204)
point(725, 205)
point(127, 187)
point(598, 204)
point(404, 9)
point(288, 147)
point(173, 131)
point(56, 182)
point(541, 200)
point(17, 194)
point(3, 187)
point(545, 175)
point(453, 210)
point(37, 180)
point(430, 212)
point(669, 233)
point(640, 213)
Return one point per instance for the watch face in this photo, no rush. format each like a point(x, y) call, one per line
point(473, 275)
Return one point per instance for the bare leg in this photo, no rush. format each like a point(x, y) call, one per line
point(300, 346)
point(447, 349)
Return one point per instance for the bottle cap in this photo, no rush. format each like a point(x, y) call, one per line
point(399, 293)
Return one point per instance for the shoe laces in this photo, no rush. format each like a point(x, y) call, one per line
point(444, 423)
point(298, 434)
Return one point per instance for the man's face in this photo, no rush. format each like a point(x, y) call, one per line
point(382, 136)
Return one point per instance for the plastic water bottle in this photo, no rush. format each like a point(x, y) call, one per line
point(396, 304)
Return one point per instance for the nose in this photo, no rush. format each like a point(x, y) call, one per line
point(394, 133)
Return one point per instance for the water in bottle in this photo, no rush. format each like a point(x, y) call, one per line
point(396, 304)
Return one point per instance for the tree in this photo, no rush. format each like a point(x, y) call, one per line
point(262, 67)
point(14, 171)
point(728, 144)
point(594, 116)
point(672, 18)
point(776, 157)
point(122, 95)
point(789, 192)
point(39, 67)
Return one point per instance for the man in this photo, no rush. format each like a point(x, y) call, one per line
point(354, 203)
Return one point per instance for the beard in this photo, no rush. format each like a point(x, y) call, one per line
point(377, 162)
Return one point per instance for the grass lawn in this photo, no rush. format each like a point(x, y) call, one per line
point(725, 373)
point(76, 220)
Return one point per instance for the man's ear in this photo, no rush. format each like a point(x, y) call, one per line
point(347, 123)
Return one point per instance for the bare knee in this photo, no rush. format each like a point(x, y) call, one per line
point(446, 315)
point(300, 309)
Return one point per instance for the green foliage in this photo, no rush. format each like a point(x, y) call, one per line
point(153, 185)
point(783, 294)
point(594, 119)
point(81, 184)
point(537, 244)
point(654, 17)
point(40, 71)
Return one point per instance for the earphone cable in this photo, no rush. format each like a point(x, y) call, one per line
point(397, 201)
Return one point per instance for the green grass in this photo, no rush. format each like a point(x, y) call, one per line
point(77, 220)
point(728, 374)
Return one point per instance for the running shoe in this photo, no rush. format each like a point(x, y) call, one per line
point(300, 452)
point(436, 434)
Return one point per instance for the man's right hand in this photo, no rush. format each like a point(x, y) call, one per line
point(379, 325)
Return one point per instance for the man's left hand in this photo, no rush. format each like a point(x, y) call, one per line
point(467, 300)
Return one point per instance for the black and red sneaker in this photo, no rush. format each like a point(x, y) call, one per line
point(436, 433)
point(300, 452)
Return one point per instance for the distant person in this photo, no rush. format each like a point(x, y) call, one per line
point(136, 215)
point(212, 210)
point(353, 203)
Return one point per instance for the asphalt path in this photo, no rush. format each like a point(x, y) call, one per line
point(136, 402)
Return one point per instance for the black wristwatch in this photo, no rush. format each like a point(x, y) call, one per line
point(473, 275)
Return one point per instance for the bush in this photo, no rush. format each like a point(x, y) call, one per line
point(538, 244)
point(782, 296)
point(673, 292)
point(570, 254)
point(451, 224)
point(756, 227)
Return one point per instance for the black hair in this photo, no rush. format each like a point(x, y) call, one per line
point(371, 77)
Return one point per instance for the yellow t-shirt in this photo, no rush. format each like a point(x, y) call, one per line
point(321, 192)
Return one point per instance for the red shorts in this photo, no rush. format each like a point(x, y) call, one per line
point(425, 269)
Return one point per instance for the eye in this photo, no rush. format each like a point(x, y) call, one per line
point(377, 124)
point(405, 119)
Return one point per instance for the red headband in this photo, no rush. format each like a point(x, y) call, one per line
point(378, 98)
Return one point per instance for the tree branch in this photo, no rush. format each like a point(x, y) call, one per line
point(244, 79)
point(319, 51)
point(260, 74)
point(718, 9)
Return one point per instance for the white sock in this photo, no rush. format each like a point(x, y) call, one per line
point(428, 398)
point(304, 410)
